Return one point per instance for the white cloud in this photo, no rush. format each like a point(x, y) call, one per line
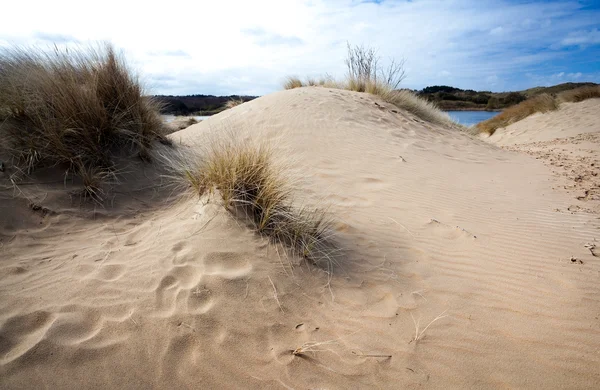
point(582, 38)
point(239, 46)
point(497, 31)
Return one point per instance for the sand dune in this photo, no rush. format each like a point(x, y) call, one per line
point(177, 293)
point(567, 141)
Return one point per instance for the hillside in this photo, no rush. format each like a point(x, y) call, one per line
point(451, 98)
point(459, 267)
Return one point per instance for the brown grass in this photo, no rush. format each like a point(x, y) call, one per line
point(251, 185)
point(292, 82)
point(539, 103)
point(233, 103)
point(421, 108)
point(77, 109)
point(579, 94)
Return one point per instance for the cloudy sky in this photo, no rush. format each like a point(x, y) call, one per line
point(248, 47)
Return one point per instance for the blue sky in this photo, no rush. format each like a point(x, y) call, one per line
point(249, 47)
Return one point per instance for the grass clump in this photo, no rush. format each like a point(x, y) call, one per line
point(292, 82)
point(77, 109)
point(419, 107)
point(233, 103)
point(579, 94)
point(539, 103)
point(250, 184)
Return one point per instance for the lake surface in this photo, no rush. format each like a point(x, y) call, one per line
point(171, 118)
point(469, 118)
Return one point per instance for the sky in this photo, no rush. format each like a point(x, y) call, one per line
point(227, 47)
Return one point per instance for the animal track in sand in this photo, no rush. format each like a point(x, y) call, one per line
point(229, 265)
point(200, 300)
point(186, 275)
point(111, 272)
point(178, 247)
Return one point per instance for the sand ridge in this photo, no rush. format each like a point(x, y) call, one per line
point(431, 222)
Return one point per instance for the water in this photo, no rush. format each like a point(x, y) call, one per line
point(470, 118)
point(171, 118)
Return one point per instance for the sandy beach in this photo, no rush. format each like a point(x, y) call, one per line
point(493, 238)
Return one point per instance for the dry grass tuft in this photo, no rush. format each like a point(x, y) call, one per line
point(539, 103)
point(233, 103)
point(251, 185)
point(421, 108)
point(579, 94)
point(292, 82)
point(74, 108)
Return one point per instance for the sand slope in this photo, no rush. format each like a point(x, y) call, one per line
point(568, 142)
point(431, 221)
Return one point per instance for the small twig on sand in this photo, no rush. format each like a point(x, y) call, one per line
point(466, 231)
point(312, 346)
point(420, 333)
point(592, 248)
point(186, 325)
point(393, 220)
point(275, 294)
point(372, 355)
point(419, 294)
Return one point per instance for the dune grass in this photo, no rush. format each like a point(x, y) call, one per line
point(539, 103)
point(253, 186)
point(77, 109)
point(292, 82)
point(579, 94)
point(365, 74)
point(233, 103)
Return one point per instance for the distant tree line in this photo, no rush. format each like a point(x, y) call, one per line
point(452, 98)
point(197, 104)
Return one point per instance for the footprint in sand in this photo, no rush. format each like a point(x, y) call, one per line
point(229, 265)
point(21, 333)
point(111, 272)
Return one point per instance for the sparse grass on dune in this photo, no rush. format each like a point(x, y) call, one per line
point(292, 82)
point(76, 109)
point(579, 94)
point(539, 103)
point(250, 184)
point(366, 75)
point(421, 108)
point(233, 103)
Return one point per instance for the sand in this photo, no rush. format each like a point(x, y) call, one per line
point(157, 292)
point(567, 141)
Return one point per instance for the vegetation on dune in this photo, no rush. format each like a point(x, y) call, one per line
point(233, 103)
point(252, 185)
point(292, 82)
point(77, 109)
point(537, 103)
point(579, 94)
point(366, 74)
point(451, 98)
